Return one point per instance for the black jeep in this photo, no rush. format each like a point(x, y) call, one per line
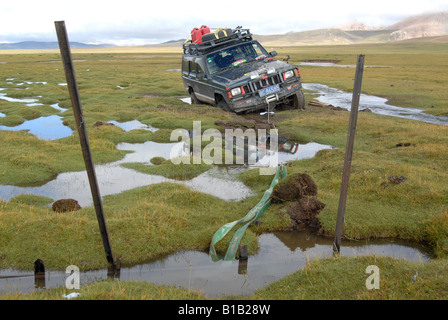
point(231, 70)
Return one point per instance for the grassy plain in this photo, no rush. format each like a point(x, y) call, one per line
point(409, 74)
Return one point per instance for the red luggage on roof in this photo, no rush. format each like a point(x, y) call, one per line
point(197, 33)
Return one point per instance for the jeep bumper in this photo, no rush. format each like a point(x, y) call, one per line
point(253, 102)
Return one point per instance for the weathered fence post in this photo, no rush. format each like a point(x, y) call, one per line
point(348, 153)
point(80, 123)
point(39, 274)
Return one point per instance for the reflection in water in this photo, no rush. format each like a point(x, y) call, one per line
point(47, 128)
point(133, 125)
point(377, 105)
point(280, 254)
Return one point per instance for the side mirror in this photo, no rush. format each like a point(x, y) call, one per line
point(273, 53)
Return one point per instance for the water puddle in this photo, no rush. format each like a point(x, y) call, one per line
point(220, 181)
point(320, 64)
point(31, 82)
point(133, 125)
point(47, 128)
point(2, 115)
point(307, 151)
point(327, 63)
point(3, 96)
point(280, 253)
point(57, 107)
point(377, 105)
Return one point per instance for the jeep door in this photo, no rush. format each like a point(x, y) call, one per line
point(201, 82)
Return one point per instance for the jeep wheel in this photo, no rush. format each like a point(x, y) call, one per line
point(194, 99)
point(298, 101)
point(223, 105)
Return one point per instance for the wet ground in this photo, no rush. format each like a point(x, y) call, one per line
point(221, 182)
point(280, 253)
point(339, 98)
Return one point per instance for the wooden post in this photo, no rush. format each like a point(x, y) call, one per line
point(348, 153)
point(39, 274)
point(80, 123)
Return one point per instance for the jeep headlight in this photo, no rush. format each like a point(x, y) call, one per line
point(288, 74)
point(235, 91)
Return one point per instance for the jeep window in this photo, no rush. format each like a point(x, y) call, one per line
point(201, 73)
point(185, 67)
point(234, 56)
point(193, 68)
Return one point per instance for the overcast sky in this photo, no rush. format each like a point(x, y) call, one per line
point(144, 22)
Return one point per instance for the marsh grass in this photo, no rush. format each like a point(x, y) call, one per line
point(154, 221)
point(342, 278)
point(114, 290)
point(182, 171)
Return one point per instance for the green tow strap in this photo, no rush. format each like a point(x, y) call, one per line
point(253, 215)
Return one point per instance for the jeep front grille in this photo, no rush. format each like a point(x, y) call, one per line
point(263, 83)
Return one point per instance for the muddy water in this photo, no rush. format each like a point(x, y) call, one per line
point(339, 98)
point(280, 253)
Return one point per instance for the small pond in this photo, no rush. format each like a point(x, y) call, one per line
point(280, 253)
point(46, 128)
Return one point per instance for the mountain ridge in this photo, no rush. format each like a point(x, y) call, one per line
point(413, 27)
point(45, 45)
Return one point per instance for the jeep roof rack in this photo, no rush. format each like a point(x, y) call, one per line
point(238, 34)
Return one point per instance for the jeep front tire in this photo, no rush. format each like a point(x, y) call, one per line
point(194, 99)
point(223, 105)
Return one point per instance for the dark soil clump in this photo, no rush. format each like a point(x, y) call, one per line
point(101, 123)
point(300, 190)
point(294, 188)
point(305, 212)
point(66, 205)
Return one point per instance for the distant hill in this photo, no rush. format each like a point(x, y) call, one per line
point(432, 27)
point(424, 25)
point(44, 45)
point(356, 25)
point(325, 37)
point(174, 41)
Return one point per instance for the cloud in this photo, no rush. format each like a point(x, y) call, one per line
point(136, 21)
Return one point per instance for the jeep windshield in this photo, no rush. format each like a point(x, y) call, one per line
point(234, 56)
